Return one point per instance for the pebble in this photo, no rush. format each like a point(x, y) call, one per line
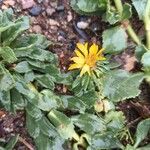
point(95, 27)
point(50, 11)
point(27, 3)
point(35, 10)
point(82, 25)
point(53, 22)
point(69, 16)
point(62, 33)
point(37, 29)
point(60, 8)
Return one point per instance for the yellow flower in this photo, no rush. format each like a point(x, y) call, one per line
point(85, 58)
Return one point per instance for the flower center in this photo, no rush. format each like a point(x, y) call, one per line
point(91, 60)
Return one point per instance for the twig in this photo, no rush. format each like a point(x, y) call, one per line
point(25, 143)
point(133, 122)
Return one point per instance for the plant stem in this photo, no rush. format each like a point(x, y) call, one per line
point(126, 23)
point(133, 35)
point(119, 6)
point(147, 23)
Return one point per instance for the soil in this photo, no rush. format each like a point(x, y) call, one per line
point(58, 22)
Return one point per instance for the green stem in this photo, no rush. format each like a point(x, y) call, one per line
point(131, 32)
point(133, 35)
point(118, 4)
point(147, 23)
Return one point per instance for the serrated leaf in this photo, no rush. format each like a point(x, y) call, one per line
point(89, 123)
point(110, 40)
point(120, 85)
point(140, 6)
point(142, 131)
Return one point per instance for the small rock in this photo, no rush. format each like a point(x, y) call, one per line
point(27, 3)
point(4, 7)
point(35, 10)
point(9, 2)
point(95, 26)
point(62, 33)
point(72, 45)
point(37, 29)
point(60, 8)
point(69, 16)
point(60, 38)
point(50, 11)
point(82, 25)
point(54, 4)
point(53, 22)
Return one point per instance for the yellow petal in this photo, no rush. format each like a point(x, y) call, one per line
point(100, 58)
point(74, 66)
point(83, 48)
point(93, 49)
point(78, 54)
point(78, 60)
point(86, 68)
point(100, 51)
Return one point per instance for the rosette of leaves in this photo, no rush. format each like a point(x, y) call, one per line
point(24, 63)
point(28, 73)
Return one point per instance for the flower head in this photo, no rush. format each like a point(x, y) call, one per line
point(86, 58)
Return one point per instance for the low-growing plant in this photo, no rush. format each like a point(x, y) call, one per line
point(84, 117)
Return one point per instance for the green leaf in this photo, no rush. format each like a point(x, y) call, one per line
point(89, 123)
point(46, 81)
point(88, 7)
point(23, 67)
point(106, 140)
point(127, 11)
point(6, 79)
point(5, 100)
point(110, 40)
point(139, 51)
point(7, 54)
point(17, 100)
point(142, 131)
point(12, 142)
point(140, 6)
point(146, 60)
point(120, 85)
point(63, 124)
point(115, 120)
point(12, 33)
point(74, 103)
